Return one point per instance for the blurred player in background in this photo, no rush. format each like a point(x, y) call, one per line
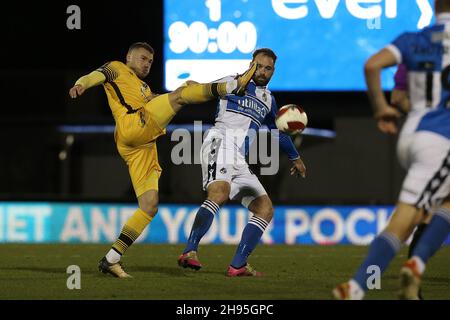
point(140, 118)
point(226, 174)
point(424, 145)
point(400, 100)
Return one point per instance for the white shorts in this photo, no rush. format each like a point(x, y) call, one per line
point(222, 161)
point(426, 156)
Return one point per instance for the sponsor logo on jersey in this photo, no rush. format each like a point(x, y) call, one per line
point(251, 105)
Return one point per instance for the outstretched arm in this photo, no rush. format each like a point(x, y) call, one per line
point(298, 167)
point(286, 144)
point(85, 82)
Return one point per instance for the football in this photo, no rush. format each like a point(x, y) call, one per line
point(291, 119)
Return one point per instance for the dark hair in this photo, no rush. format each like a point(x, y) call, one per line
point(266, 51)
point(144, 45)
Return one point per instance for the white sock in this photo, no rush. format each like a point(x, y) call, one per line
point(112, 256)
point(231, 85)
point(420, 264)
point(356, 293)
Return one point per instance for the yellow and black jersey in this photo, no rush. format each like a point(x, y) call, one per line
point(126, 92)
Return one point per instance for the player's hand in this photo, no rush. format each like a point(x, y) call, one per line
point(76, 91)
point(387, 118)
point(298, 168)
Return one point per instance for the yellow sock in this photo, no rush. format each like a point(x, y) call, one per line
point(132, 230)
point(198, 93)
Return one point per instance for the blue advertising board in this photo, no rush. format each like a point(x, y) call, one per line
point(321, 44)
point(101, 223)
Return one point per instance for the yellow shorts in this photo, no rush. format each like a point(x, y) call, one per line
point(143, 166)
point(145, 125)
point(135, 138)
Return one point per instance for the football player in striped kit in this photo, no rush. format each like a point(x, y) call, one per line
point(225, 172)
point(400, 99)
point(423, 147)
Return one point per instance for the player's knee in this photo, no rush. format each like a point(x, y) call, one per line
point(219, 195)
point(219, 192)
point(151, 210)
point(149, 206)
point(266, 213)
point(220, 198)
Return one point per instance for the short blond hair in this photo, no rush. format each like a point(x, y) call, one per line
point(144, 45)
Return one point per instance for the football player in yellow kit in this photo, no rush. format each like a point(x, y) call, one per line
point(141, 117)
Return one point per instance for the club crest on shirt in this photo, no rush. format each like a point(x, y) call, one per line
point(145, 91)
point(264, 96)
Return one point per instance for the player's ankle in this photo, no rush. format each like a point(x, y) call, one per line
point(420, 265)
point(113, 256)
point(356, 292)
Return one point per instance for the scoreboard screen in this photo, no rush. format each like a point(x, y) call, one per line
point(321, 44)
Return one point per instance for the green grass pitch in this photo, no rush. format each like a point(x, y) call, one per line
point(291, 272)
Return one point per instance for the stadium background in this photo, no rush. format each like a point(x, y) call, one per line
point(59, 184)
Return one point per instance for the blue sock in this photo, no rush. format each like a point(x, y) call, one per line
point(250, 238)
point(434, 235)
point(381, 252)
point(202, 222)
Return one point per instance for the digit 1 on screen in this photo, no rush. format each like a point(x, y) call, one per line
point(214, 7)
